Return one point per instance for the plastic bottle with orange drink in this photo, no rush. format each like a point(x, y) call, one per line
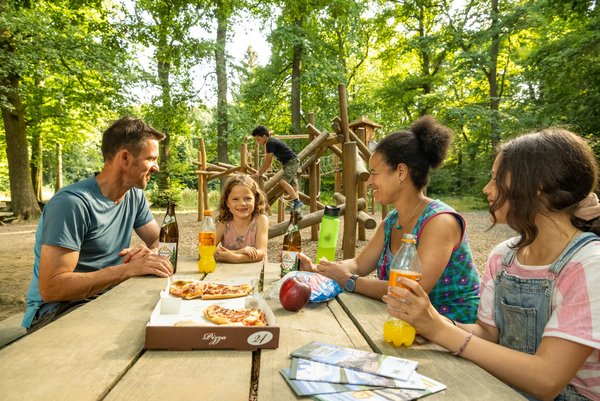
point(207, 244)
point(405, 264)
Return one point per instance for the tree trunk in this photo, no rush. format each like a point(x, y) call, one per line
point(296, 82)
point(164, 70)
point(37, 166)
point(59, 177)
point(23, 202)
point(493, 77)
point(221, 69)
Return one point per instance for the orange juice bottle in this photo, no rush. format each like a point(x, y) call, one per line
point(405, 264)
point(207, 244)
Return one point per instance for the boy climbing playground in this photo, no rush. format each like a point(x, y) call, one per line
point(288, 159)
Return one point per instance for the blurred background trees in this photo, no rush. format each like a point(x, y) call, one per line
point(490, 69)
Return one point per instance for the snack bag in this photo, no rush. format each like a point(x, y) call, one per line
point(322, 288)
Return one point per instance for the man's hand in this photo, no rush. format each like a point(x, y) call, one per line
point(150, 263)
point(131, 254)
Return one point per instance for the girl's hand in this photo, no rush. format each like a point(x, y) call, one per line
point(250, 251)
point(305, 264)
point(412, 305)
point(334, 270)
point(220, 252)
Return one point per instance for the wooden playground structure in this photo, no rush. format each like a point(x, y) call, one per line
point(350, 179)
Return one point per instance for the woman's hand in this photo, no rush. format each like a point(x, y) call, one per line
point(337, 271)
point(412, 305)
point(304, 264)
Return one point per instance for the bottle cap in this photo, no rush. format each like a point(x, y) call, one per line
point(332, 211)
point(208, 213)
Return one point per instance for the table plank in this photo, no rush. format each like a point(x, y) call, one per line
point(180, 374)
point(324, 322)
point(465, 380)
point(88, 349)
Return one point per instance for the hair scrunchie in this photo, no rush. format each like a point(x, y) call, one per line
point(589, 208)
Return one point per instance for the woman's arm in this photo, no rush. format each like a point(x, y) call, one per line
point(440, 236)
point(363, 265)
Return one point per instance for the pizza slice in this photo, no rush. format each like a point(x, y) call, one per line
point(187, 288)
point(224, 291)
point(248, 317)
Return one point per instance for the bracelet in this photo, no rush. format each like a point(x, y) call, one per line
point(464, 345)
point(451, 320)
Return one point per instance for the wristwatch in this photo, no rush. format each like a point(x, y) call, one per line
point(350, 285)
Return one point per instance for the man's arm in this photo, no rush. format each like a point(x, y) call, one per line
point(148, 233)
point(59, 282)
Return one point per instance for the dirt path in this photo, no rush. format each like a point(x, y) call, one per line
point(17, 241)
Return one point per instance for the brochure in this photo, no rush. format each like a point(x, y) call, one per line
point(370, 362)
point(385, 394)
point(304, 388)
point(305, 369)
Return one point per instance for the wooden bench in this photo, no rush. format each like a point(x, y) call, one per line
point(6, 217)
point(11, 330)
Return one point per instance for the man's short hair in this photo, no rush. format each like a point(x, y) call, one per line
point(261, 130)
point(130, 133)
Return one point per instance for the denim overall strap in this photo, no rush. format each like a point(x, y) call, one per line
point(574, 246)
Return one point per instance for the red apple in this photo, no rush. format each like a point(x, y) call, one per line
point(294, 294)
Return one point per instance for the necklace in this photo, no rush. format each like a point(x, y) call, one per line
point(400, 226)
point(239, 239)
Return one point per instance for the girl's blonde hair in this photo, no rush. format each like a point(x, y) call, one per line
point(261, 205)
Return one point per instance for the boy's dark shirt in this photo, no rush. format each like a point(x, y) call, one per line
point(280, 149)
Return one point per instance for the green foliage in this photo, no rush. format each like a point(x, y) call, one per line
point(160, 198)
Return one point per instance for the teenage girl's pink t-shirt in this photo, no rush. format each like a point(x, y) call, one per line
point(575, 309)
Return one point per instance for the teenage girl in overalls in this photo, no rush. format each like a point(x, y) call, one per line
point(538, 326)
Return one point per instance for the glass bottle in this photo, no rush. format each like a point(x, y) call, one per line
point(405, 264)
point(207, 243)
point(168, 238)
point(328, 234)
point(292, 245)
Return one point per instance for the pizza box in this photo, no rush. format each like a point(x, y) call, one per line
point(194, 331)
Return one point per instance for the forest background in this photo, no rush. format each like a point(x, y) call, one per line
point(488, 69)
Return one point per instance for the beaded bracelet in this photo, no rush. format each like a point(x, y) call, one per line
point(464, 345)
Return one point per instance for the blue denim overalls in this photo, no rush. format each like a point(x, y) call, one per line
point(522, 307)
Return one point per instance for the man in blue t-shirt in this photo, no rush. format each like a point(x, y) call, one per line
point(287, 158)
point(83, 237)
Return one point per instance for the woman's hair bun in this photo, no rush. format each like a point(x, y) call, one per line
point(434, 139)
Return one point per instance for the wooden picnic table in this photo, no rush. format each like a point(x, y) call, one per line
point(97, 351)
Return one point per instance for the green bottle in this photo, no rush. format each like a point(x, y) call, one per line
point(328, 236)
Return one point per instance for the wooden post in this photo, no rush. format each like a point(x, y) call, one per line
point(280, 210)
point(313, 182)
point(202, 180)
point(362, 188)
point(349, 151)
point(244, 156)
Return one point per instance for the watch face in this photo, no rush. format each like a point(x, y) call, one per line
point(350, 284)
